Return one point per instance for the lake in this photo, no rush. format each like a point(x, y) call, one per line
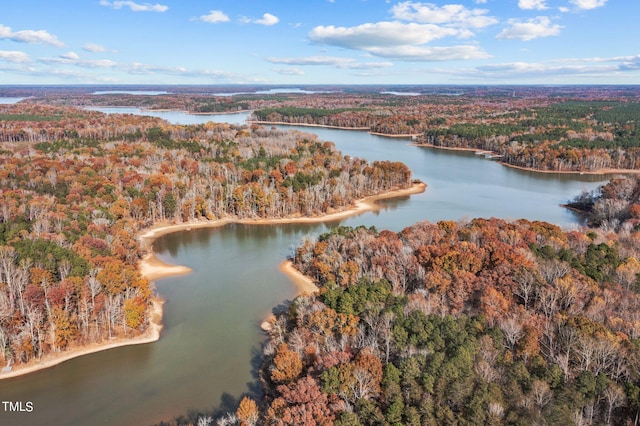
point(210, 344)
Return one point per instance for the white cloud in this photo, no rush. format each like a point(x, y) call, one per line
point(429, 54)
point(380, 34)
point(588, 4)
point(72, 58)
point(532, 4)
point(14, 56)
point(267, 19)
point(70, 55)
point(94, 48)
point(397, 40)
point(214, 17)
point(449, 14)
point(135, 7)
point(528, 70)
point(530, 29)
point(29, 36)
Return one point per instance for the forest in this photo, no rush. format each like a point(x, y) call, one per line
point(78, 186)
point(474, 322)
point(480, 321)
point(560, 129)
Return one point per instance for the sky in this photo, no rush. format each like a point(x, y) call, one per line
point(319, 42)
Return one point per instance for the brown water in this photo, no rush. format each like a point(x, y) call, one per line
point(210, 345)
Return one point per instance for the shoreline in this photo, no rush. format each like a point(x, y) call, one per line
point(284, 123)
point(599, 172)
point(302, 283)
point(150, 335)
point(158, 269)
point(152, 268)
point(402, 135)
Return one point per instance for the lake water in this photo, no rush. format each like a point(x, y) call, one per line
point(177, 117)
point(9, 100)
point(210, 344)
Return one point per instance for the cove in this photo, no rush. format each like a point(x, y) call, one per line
point(210, 344)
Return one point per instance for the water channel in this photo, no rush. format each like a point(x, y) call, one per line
point(210, 344)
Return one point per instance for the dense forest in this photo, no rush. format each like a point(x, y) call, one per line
point(483, 321)
point(77, 186)
point(562, 129)
point(479, 322)
point(562, 134)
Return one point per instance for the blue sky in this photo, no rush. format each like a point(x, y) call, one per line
point(320, 42)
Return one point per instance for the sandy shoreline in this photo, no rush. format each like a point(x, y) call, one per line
point(303, 284)
point(153, 268)
point(150, 335)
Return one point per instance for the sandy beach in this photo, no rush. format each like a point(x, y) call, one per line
point(303, 283)
point(153, 268)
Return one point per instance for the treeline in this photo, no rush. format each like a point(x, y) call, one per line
point(484, 322)
point(339, 117)
point(614, 206)
point(70, 210)
point(569, 136)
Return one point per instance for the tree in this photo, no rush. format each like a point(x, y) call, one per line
point(247, 412)
point(287, 364)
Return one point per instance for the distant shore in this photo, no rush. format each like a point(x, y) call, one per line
point(284, 123)
point(152, 268)
point(606, 171)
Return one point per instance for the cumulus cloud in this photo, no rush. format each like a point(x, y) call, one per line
point(214, 17)
point(397, 40)
point(14, 56)
point(588, 4)
point(29, 36)
point(530, 29)
point(449, 14)
point(380, 34)
point(135, 7)
point(532, 4)
point(267, 19)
